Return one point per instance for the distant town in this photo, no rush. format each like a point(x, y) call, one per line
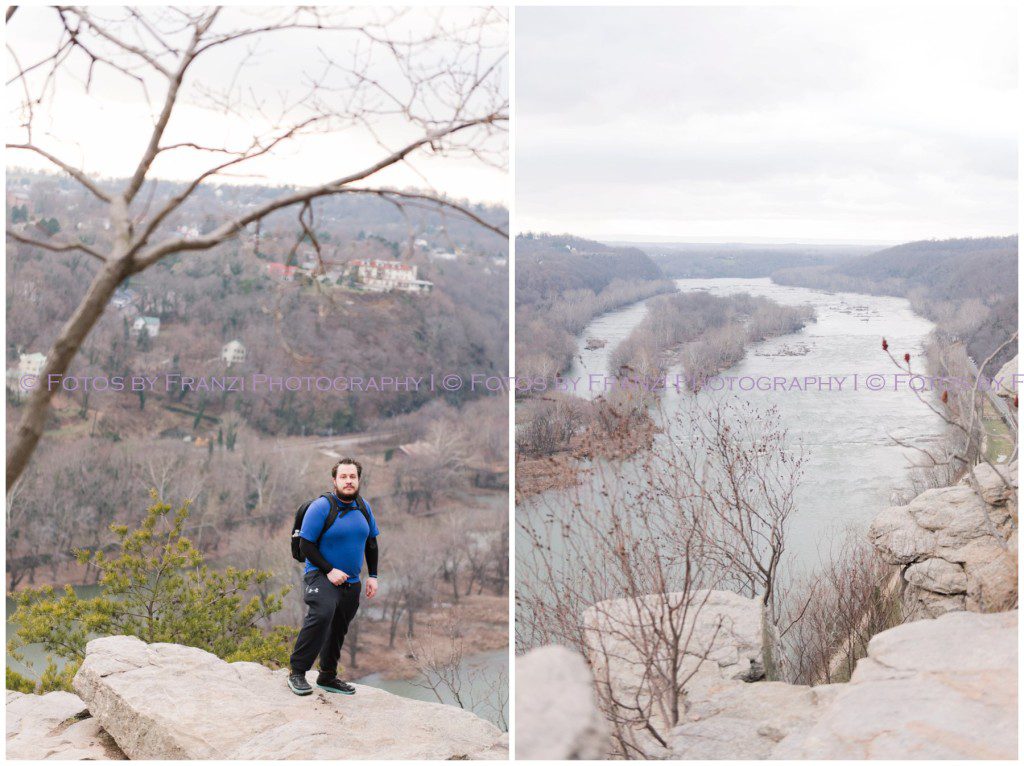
point(352, 249)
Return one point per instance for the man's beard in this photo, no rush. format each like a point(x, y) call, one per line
point(347, 495)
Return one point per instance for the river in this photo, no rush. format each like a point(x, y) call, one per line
point(853, 466)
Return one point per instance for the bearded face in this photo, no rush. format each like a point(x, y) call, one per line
point(346, 482)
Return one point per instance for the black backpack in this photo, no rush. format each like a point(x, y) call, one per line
point(332, 515)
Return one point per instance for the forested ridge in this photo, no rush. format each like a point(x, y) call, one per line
point(968, 287)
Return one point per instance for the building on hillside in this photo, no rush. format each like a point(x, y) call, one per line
point(123, 298)
point(16, 199)
point(282, 271)
point(385, 276)
point(233, 352)
point(28, 364)
point(148, 325)
point(31, 364)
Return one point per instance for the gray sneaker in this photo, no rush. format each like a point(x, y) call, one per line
point(335, 685)
point(299, 685)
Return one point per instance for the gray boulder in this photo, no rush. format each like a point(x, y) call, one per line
point(991, 568)
point(55, 726)
point(739, 721)
point(998, 484)
point(165, 701)
point(719, 636)
point(557, 715)
point(931, 689)
point(897, 537)
point(953, 515)
point(938, 576)
point(957, 545)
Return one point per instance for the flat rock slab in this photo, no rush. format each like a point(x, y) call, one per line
point(165, 701)
point(557, 715)
point(740, 721)
point(932, 689)
point(55, 726)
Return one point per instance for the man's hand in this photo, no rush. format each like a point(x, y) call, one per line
point(371, 587)
point(337, 577)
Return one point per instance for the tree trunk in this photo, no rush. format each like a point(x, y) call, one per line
point(58, 359)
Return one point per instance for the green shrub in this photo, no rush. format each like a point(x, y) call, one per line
point(155, 587)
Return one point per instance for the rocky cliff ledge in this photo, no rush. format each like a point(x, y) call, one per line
point(957, 546)
point(943, 688)
point(165, 701)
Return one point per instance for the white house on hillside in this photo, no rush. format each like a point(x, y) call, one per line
point(151, 325)
point(28, 364)
point(385, 276)
point(31, 364)
point(233, 352)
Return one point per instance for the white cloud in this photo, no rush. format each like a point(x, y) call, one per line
point(105, 130)
point(767, 122)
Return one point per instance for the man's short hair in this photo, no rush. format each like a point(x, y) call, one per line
point(347, 461)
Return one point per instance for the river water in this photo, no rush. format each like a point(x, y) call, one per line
point(853, 465)
point(484, 683)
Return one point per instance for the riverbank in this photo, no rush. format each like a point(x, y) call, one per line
point(479, 624)
point(612, 437)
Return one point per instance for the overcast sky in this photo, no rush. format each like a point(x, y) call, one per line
point(766, 124)
point(105, 131)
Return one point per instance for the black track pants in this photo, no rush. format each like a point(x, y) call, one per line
point(331, 609)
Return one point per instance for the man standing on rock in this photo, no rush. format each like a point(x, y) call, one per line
point(334, 559)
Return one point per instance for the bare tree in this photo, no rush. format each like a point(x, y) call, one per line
point(411, 585)
point(441, 669)
point(833, 612)
point(962, 408)
point(628, 571)
point(737, 465)
point(443, 86)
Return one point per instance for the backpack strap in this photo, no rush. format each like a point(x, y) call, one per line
point(332, 514)
point(336, 510)
point(361, 505)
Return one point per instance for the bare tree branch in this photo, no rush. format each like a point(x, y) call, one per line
point(56, 247)
point(452, 102)
point(150, 256)
point(75, 173)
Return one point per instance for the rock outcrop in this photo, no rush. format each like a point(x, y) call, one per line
point(943, 688)
point(55, 726)
point(557, 715)
point(932, 689)
point(957, 545)
point(165, 701)
point(746, 721)
point(642, 648)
